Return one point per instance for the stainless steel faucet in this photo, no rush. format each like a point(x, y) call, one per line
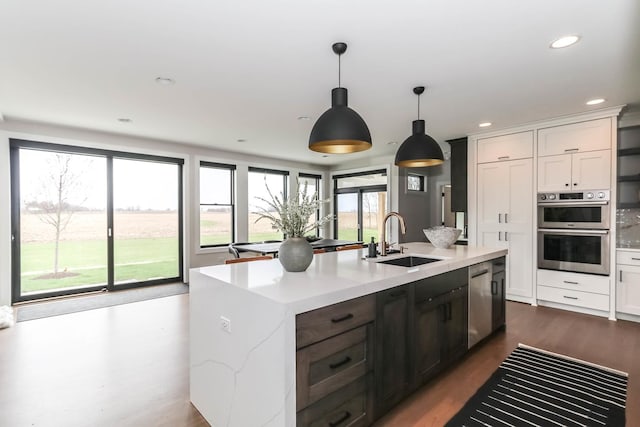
point(403, 229)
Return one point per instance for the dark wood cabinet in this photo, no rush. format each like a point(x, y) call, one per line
point(456, 325)
point(458, 174)
point(392, 346)
point(429, 318)
point(498, 308)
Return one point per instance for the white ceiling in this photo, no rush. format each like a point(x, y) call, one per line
point(246, 69)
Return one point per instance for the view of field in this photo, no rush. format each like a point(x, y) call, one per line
point(145, 248)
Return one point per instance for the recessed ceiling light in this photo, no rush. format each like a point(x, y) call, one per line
point(392, 143)
point(595, 101)
point(304, 118)
point(166, 81)
point(564, 42)
point(485, 124)
point(325, 155)
point(241, 140)
point(124, 120)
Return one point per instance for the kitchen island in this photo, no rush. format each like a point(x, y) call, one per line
point(246, 337)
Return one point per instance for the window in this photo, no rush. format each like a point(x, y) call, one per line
point(86, 219)
point(313, 186)
point(259, 179)
point(217, 208)
point(360, 201)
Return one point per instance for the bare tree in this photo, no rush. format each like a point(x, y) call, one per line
point(59, 182)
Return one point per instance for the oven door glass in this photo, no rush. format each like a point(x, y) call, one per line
point(582, 252)
point(580, 216)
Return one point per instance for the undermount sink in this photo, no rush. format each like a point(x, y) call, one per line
point(409, 261)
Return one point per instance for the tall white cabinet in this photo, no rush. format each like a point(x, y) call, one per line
point(507, 168)
point(504, 210)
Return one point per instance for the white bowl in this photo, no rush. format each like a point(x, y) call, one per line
point(442, 237)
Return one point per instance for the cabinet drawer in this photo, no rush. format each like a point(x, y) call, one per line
point(316, 325)
point(431, 287)
point(505, 147)
point(574, 281)
point(575, 137)
point(351, 406)
point(575, 298)
point(331, 364)
point(628, 257)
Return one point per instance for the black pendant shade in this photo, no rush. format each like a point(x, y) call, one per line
point(339, 130)
point(419, 150)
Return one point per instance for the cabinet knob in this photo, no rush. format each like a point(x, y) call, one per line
point(575, 183)
point(566, 185)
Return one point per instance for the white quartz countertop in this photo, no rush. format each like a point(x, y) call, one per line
point(333, 277)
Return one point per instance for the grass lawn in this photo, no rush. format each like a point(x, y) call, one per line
point(135, 260)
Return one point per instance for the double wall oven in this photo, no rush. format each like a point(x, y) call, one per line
point(573, 231)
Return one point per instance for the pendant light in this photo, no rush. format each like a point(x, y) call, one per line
point(339, 130)
point(419, 149)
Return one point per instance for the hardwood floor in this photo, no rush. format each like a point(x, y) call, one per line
point(127, 365)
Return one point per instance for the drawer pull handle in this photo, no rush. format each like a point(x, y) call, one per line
point(567, 297)
point(635, 259)
point(480, 273)
point(397, 294)
point(340, 420)
point(503, 157)
point(570, 282)
point(571, 149)
point(344, 361)
point(342, 319)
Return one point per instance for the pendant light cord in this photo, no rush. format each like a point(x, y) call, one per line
point(339, 57)
point(418, 107)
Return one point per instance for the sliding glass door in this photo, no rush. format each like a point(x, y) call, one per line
point(62, 222)
point(146, 221)
point(85, 219)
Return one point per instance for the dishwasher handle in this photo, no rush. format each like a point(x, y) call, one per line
point(480, 273)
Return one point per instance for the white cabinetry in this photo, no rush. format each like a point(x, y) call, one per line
point(591, 135)
point(587, 291)
point(505, 147)
point(628, 282)
point(505, 215)
point(590, 170)
point(576, 156)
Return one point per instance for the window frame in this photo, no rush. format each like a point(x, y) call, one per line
point(285, 189)
point(232, 195)
point(318, 179)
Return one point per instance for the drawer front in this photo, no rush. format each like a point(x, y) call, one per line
point(575, 298)
point(628, 257)
point(574, 281)
point(317, 325)
point(351, 406)
point(329, 365)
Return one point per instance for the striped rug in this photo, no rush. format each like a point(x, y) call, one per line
point(534, 387)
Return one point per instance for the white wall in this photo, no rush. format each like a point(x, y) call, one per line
point(194, 256)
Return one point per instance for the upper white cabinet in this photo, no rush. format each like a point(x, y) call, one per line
point(576, 137)
point(505, 147)
point(576, 156)
point(589, 170)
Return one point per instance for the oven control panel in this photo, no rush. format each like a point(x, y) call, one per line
point(575, 196)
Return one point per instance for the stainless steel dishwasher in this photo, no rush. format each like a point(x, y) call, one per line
point(480, 302)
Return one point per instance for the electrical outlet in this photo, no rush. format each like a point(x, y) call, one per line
point(225, 324)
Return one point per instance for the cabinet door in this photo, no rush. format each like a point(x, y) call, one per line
point(457, 325)
point(392, 346)
point(520, 261)
point(492, 198)
point(505, 147)
point(518, 188)
point(498, 312)
point(429, 319)
point(591, 170)
point(575, 137)
point(554, 173)
point(628, 291)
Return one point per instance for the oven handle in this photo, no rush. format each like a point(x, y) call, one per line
point(572, 231)
point(568, 203)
